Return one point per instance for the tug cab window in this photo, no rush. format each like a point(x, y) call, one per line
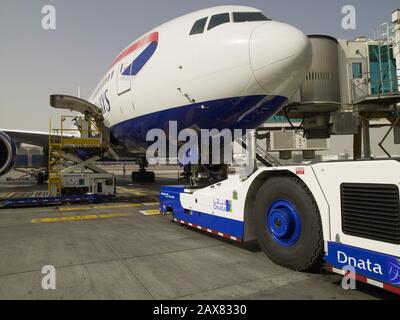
point(218, 19)
point(249, 16)
point(199, 26)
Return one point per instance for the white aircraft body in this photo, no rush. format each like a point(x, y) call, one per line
point(228, 67)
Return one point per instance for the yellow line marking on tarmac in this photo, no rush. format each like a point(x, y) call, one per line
point(150, 212)
point(100, 207)
point(79, 218)
point(131, 191)
point(150, 204)
point(6, 195)
point(136, 193)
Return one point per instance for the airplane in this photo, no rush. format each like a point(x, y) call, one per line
point(223, 67)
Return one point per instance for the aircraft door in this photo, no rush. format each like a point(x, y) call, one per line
point(124, 78)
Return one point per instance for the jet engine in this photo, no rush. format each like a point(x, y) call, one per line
point(8, 153)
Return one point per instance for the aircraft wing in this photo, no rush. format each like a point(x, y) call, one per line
point(40, 139)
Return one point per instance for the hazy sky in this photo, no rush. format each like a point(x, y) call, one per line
point(90, 33)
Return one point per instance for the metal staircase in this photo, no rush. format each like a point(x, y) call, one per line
point(261, 154)
point(274, 162)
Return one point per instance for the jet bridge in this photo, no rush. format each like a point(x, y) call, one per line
point(351, 84)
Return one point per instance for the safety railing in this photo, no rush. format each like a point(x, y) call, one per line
point(379, 84)
point(76, 132)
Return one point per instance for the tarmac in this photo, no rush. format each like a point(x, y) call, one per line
point(125, 249)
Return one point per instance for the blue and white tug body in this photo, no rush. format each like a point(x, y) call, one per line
point(346, 214)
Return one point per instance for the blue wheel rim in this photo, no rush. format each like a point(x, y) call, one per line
point(284, 223)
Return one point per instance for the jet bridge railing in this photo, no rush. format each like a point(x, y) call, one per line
point(378, 84)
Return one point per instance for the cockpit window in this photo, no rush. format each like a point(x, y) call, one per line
point(199, 26)
point(249, 16)
point(218, 19)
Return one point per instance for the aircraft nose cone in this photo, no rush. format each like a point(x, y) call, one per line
point(280, 57)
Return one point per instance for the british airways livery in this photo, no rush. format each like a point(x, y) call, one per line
point(228, 67)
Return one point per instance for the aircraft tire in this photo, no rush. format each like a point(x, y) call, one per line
point(147, 176)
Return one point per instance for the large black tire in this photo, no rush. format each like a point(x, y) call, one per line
point(306, 253)
point(147, 176)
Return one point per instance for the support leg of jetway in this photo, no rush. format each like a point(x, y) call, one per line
point(366, 138)
point(357, 145)
point(362, 140)
point(395, 123)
